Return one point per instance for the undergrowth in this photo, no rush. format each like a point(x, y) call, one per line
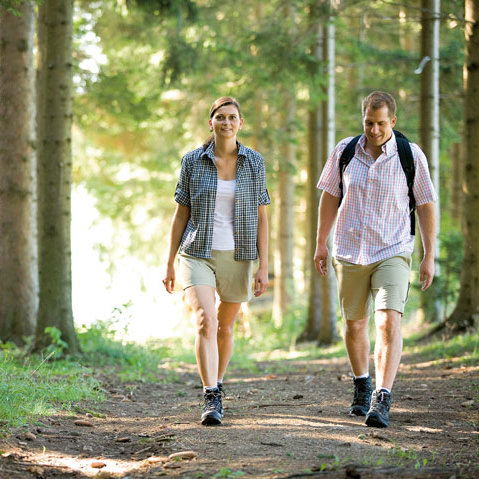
point(32, 386)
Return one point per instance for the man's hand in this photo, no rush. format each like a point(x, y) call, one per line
point(321, 258)
point(426, 271)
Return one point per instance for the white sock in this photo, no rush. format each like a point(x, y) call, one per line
point(384, 389)
point(209, 387)
point(366, 375)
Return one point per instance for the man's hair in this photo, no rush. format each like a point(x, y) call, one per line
point(378, 99)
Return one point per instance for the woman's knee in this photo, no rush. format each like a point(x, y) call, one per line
point(226, 330)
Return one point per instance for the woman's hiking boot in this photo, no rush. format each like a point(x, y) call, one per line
point(212, 407)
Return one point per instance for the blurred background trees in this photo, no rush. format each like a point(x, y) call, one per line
point(144, 73)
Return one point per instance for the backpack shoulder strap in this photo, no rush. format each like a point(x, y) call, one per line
point(407, 163)
point(346, 157)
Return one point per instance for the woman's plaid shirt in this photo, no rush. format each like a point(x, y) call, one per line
point(373, 219)
point(196, 189)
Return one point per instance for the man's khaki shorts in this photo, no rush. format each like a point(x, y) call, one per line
point(231, 279)
point(385, 282)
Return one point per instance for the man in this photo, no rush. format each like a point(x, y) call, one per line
point(372, 248)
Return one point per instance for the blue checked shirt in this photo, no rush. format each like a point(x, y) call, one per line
point(196, 189)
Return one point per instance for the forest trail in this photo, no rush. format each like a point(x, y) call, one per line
point(289, 419)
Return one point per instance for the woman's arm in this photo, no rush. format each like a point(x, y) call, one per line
point(261, 277)
point(178, 226)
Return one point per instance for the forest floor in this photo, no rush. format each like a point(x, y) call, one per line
point(288, 419)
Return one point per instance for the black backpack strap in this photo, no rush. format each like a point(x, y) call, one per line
point(407, 163)
point(346, 157)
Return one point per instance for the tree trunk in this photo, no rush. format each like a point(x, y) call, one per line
point(283, 266)
point(456, 180)
point(315, 292)
point(54, 122)
point(328, 331)
point(321, 318)
point(406, 36)
point(466, 314)
point(18, 252)
point(429, 301)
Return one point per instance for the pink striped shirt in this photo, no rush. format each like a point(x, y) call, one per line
point(373, 219)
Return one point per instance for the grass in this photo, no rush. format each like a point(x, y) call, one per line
point(463, 349)
point(32, 388)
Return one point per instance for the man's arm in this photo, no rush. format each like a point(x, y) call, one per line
point(328, 209)
point(426, 215)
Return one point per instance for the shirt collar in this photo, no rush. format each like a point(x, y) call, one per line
point(389, 147)
point(210, 151)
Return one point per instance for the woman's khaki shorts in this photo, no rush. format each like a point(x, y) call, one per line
point(231, 279)
point(386, 282)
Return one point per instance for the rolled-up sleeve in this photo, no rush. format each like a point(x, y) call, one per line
point(263, 197)
point(182, 193)
point(423, 188)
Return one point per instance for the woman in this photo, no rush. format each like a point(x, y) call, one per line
point(221, 227)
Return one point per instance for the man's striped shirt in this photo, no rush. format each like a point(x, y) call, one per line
point(373, 219)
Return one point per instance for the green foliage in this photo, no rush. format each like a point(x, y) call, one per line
point(57, 346)
point(226, 472)
point(167, 60)
point(12, 6)
point(267, 337)
point(458, 350)
point(452, 252)
point(104, 343)
point(31, 388)
point(159, 9)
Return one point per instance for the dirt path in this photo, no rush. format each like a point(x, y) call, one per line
point(289, 420)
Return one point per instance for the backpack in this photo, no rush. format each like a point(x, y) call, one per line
point(407, 163)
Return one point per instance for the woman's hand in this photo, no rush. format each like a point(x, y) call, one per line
point(260, 281)
point(169, 280)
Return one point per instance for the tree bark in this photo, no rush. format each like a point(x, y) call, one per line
point(321, 318)
point(456, 180)
point(429, 301)
point(283, 264)
point(315, 118)
point(18, 252)
point(54, 122)
point(466, 314)
point(284, 245)
point(328, 331)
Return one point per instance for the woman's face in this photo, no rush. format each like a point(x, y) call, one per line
point(226, 122)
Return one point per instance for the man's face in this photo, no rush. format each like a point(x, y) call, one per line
point(378, 125)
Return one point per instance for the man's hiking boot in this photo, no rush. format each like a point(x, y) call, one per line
point(212, 407)
point(378, 414)
point(363, 388)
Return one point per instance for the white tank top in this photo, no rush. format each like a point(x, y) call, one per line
point(223, 234)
